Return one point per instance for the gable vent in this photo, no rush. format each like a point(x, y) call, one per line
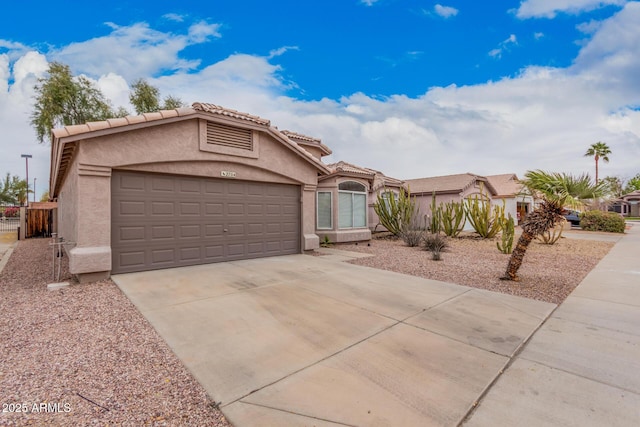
point(228, 136)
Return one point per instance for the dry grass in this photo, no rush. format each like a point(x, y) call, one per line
point(548, 273)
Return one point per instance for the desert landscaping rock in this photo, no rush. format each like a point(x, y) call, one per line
point(86, 351)
point(549, 272)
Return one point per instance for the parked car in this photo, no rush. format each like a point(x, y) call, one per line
point(573, 217)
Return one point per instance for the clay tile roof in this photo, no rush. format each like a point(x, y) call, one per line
point(216, 109)
point(441, 183)
point(505, 184)
point(300, 137)
point(349, 168)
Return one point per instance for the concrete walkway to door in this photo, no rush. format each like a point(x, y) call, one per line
point(300, 340)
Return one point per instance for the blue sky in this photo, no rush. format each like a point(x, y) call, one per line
point(412, 88)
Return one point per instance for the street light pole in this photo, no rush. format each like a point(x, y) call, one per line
point(26, 159)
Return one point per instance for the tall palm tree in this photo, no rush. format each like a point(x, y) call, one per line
point(557, 191)
point(599, 150)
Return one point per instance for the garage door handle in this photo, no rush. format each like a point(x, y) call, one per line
point(225, 230)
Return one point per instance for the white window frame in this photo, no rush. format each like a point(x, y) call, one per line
point(330, 211)
point(353, 218)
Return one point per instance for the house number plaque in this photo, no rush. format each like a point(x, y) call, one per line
point(228, 174)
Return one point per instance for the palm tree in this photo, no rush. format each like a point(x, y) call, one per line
point(599, 150)
point(557, 191)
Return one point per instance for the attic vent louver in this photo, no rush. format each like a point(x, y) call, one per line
point(228, 136)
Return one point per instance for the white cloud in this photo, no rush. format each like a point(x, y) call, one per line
point(550, 8)
point(281, 51)
point(173, 17)
point(445, 11)
point(543, 118)
point(503, 46)
point(135, 50)
point(538, 35)
point(369, 2)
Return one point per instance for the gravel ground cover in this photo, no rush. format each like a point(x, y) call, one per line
point(83, 355)
point(548, 273)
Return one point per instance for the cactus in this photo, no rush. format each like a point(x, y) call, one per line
point(485, 221)
point(395, 215)
point(508, 231)
point(436, 216)
point(452, 218)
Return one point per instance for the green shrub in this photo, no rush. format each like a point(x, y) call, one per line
point(602, 221)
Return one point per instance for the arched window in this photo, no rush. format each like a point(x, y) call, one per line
point(352, 205)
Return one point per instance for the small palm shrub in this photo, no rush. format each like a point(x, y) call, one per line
point(435, 243)
point(602, 221)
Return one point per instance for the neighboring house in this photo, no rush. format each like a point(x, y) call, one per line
point(449, 188)
point(345, 200)
point(182, 187)
point(627, 205)
point(516, 200)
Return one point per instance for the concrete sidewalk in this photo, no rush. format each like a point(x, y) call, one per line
point(582, 367)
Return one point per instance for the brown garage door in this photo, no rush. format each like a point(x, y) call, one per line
point(163, 221)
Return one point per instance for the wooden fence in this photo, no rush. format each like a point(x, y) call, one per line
point(39, 223)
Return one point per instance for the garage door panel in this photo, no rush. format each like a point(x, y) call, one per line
point(162, 184)
point(161, 221)
point(190, 208)
point(160, 232)
point(162, 208)
point(132, 183)
point(131, 208)
point(214, 209)
point(235, 209)
point(190, 253)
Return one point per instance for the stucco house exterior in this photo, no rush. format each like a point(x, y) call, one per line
point(516, 200)
point(627, 205)
point(182, 187)
point(449, 188)
point(345, 200)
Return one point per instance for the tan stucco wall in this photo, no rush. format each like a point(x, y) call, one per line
point(85, 197)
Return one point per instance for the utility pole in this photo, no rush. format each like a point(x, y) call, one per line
point(26, 159)
point(34, 189)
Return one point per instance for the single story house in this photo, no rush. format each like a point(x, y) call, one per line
point(627, 205)
point(182, 187)
point(449, 188)
point(517, 201)
point(345, 200)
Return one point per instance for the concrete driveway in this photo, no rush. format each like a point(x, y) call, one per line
point(301, 340)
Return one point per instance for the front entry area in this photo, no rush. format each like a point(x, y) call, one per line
point(163, 221)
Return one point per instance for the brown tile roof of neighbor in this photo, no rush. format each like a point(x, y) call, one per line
point(447, 184)
point(65, 139)
point(506, 184)
point(379, 179)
